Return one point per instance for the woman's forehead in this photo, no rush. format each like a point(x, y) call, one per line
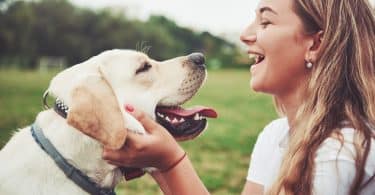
point(281, 9)
point(278, 6)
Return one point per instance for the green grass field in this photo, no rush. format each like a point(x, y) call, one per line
point(220, 155)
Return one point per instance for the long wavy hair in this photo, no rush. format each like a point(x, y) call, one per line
point(341, 88)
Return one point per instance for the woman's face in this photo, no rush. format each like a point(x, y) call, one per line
point(277, 40)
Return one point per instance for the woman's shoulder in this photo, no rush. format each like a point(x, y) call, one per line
point(342, 147)
point(345, 137)
point(339, 145)
point(277, 126)
point(275, 131)
point(335, 163)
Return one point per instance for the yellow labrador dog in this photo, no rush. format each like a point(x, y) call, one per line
point(61, 152)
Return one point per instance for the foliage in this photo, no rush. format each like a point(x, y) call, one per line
point(33, 29)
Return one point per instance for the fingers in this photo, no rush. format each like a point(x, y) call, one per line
point(117, 157)
point(126, 155)
point(149, 124)
point(113, 155)
point(135, 140)
point(119, 164)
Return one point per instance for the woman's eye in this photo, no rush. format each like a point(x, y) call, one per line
point(264, 24)
point(145, 67)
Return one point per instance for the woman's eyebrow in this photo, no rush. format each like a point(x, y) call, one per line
point(264, 9)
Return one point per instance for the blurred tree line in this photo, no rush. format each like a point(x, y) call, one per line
point(30, 30)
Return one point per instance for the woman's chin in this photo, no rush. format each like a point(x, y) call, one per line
point(254, 85)
point(259, 86)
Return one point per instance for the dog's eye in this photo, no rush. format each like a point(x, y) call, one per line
point(145, 67)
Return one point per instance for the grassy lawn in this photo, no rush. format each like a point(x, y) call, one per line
point(220, 155)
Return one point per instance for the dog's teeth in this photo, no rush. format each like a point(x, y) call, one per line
point(167, 118)
point(161, 115)
point(174, 121)
point(196, 117)
point(201, 117)
point(182, 120)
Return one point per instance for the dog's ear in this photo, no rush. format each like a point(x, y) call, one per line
point(94, 110)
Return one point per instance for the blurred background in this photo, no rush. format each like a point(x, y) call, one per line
point(40, 38)
point(39, 34)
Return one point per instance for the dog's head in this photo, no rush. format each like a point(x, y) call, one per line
point(97, 89)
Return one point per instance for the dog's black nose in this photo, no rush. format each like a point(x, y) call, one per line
point(197, 58)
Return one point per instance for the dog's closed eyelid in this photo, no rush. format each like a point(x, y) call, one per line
point(143, 68)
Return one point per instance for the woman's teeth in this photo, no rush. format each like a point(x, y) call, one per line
point(256, 57)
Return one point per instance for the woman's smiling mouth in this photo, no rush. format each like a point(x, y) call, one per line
point(257, 58)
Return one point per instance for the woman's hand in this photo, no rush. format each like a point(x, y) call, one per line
point(157, 148)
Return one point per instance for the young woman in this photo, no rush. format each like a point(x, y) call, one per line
point(317, 59)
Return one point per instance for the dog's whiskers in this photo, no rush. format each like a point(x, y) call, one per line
point(142, 47)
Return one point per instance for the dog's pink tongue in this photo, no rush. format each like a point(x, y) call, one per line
point(202, 110)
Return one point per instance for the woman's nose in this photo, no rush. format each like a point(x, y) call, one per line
point(248, 35)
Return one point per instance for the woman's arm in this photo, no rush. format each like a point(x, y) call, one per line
point(252, 188)
point(183, 179)
point(159, 178)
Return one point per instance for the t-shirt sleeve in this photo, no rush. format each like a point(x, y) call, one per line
point(334, 167)
point(257, 160)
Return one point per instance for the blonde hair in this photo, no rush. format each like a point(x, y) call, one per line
point(341, 88)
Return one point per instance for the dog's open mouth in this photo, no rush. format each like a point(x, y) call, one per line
point(184, 124)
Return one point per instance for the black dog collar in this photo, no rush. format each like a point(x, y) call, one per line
point(69, 170)
point(59, 106)
point(74, 174)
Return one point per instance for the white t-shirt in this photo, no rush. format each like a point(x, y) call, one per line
point(334, 168)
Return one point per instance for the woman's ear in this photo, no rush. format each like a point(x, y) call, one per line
point(315, 46)
point(94, 110)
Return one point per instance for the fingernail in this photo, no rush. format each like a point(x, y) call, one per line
point(129, 108)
